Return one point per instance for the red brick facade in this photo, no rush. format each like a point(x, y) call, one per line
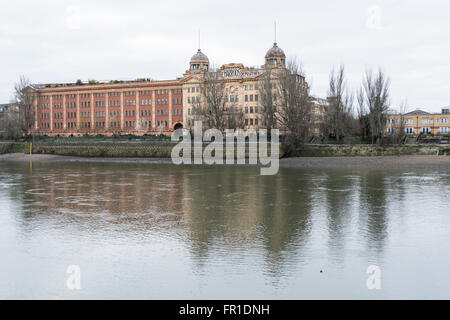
point(136, 107)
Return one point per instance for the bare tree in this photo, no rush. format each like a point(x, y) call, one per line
point(399, 125)
point(234, 117)
point(213, 107)
point(111, 124)
point(267, 100)
point(25, 97)
point(338, 118)
point(293, 107)
point(10, 123)
point(373, 99)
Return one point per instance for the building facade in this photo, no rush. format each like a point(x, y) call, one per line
point(147, 107)
point(419, 122)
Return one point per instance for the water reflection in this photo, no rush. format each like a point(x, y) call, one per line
point(228, 216)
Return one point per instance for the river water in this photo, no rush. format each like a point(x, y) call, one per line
point(156, 231)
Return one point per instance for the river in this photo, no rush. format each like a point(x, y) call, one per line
point(159, 231)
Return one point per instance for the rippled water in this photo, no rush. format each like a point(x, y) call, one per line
point(167, 232)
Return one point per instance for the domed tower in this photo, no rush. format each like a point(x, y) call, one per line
point(275, 57)
point(199, 62)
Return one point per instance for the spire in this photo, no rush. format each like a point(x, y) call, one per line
point(275, 32)
point(199, 39)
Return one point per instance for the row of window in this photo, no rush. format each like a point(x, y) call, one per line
point(247, 122)
point(197, 89)
point(128, 113)
point(250, 97)
point(112, 94)
point(251, 121)
point(424, 121)
point(250, 87)
point(250, 109)
point(424, 130)
point(193, 99)
point(112, 103)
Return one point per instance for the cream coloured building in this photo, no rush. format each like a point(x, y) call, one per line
point(420, 122)
point(241, 85)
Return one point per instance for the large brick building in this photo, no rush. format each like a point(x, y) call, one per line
point(143, 106)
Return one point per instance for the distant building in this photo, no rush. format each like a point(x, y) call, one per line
point(9, 115)
point(319, 109)
point(6, 108)
point(420, 122)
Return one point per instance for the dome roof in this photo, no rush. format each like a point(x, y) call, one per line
point(275, 52)
point(199, 57)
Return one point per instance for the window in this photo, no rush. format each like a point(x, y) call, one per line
point(443, 130)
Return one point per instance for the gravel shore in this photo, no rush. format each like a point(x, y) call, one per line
point(381, 162)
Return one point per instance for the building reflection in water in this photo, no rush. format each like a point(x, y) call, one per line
point(217, 212)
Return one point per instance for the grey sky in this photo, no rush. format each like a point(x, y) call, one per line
point(48, 42)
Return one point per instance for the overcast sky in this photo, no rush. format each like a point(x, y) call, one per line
point(59, 41)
